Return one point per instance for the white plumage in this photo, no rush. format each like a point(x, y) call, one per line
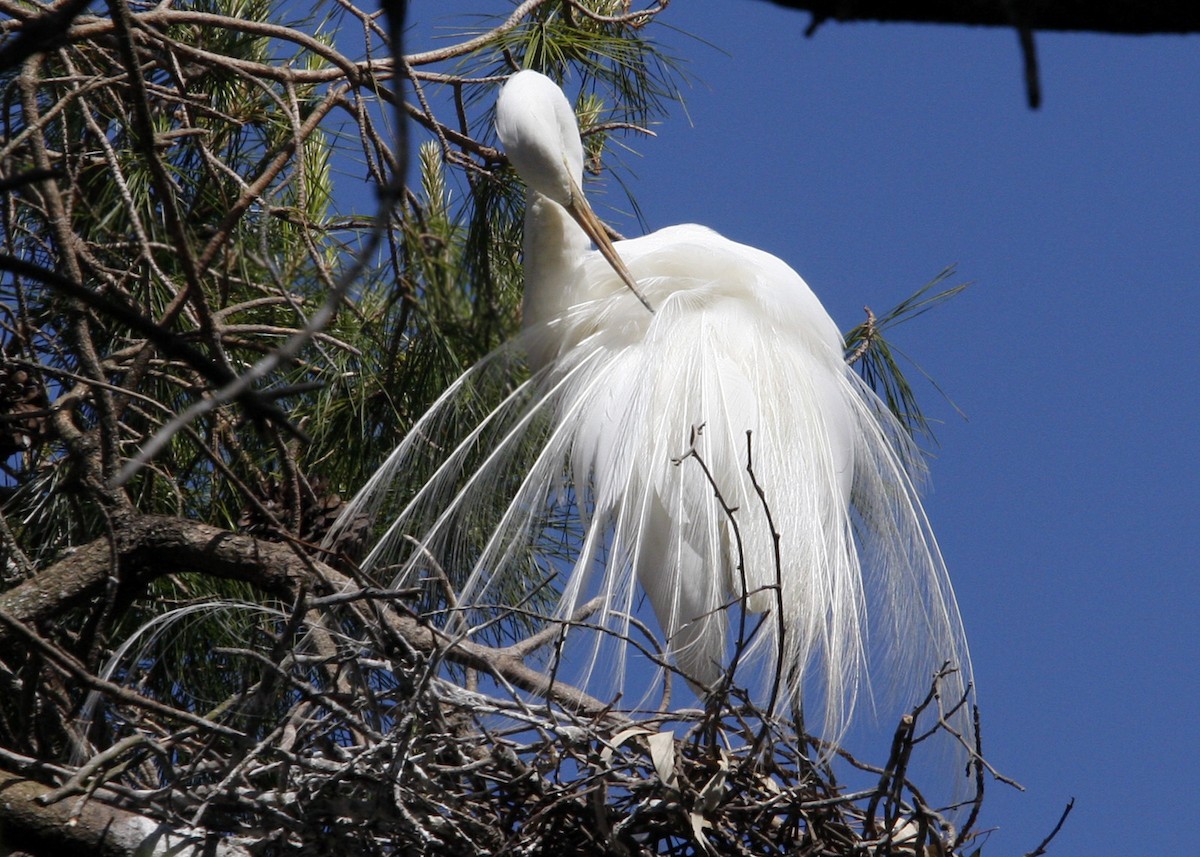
point(598, 440)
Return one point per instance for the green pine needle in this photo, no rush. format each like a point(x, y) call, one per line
point(876, 357)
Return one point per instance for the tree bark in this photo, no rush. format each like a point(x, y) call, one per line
point(95, 829)
point(144, 548)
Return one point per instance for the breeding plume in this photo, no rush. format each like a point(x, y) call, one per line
point(689, 398)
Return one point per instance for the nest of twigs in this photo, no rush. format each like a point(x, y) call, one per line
point(340, 731)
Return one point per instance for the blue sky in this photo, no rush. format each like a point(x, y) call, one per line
point(869, 157)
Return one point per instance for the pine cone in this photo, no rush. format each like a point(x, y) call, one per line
point(24, 406)
point(319, 510)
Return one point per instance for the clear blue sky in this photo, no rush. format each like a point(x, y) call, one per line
point(871, 156)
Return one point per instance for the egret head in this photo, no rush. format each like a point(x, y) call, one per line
point(540, 134)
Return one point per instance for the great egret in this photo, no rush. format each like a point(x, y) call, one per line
point(662, 367)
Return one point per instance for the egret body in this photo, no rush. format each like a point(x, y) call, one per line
point(662, 367)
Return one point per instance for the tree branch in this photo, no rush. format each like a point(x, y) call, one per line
point(152, 546)
point(95, 828)
point(148, 547)
point(1130, 17)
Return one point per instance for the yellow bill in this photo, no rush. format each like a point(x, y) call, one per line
point(582, 212)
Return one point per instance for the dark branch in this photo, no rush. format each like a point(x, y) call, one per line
point(1130, 17)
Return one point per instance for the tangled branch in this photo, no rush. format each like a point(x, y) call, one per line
point(201, 344)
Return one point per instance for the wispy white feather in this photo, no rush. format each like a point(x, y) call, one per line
point(612, 470)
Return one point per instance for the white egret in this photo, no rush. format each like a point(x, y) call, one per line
point(736, 359)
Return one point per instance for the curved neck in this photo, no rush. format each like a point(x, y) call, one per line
point(554, 250)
